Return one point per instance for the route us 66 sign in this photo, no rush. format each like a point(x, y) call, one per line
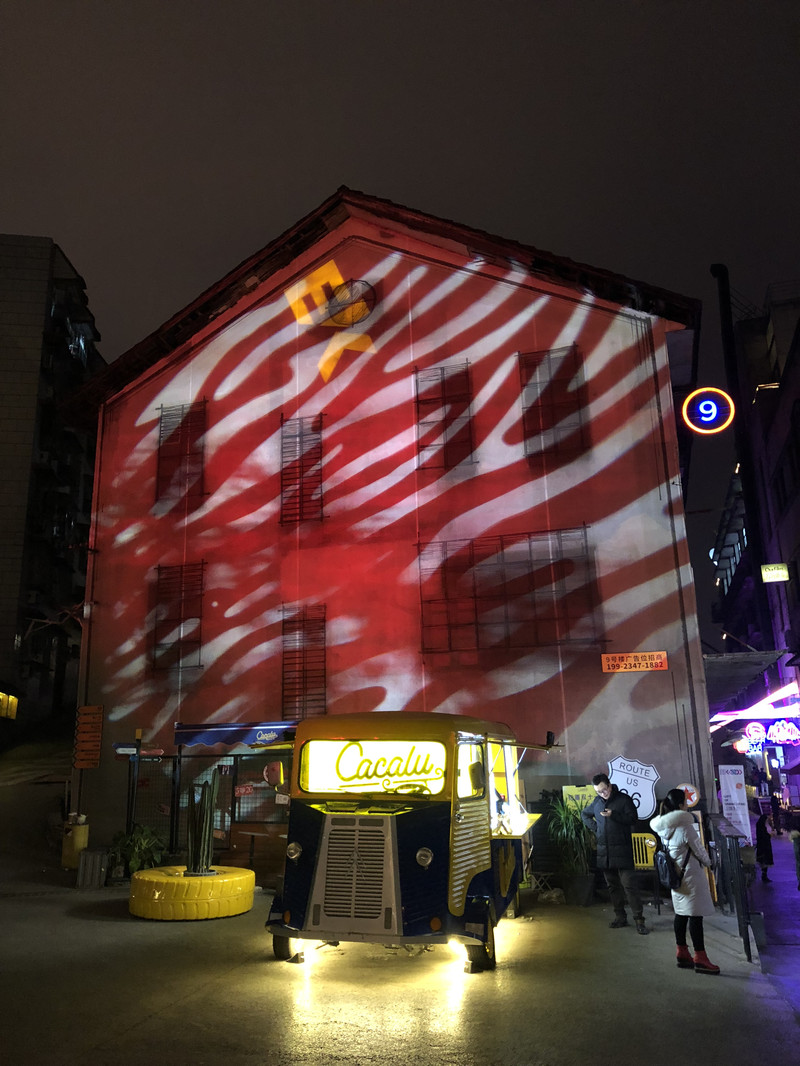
point(638, 780)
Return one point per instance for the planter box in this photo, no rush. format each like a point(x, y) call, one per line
point(579, 890)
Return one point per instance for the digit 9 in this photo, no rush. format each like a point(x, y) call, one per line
point(707, 410)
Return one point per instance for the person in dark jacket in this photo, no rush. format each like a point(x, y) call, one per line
point(775, 807)
point(611, 817)
point(764, 834)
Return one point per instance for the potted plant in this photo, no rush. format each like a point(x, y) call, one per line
point(213, 892)
point(575, 845)
point(140, 849)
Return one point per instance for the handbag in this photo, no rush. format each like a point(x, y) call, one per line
point(667, 869)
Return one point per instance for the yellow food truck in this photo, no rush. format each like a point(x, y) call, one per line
point(404, 828)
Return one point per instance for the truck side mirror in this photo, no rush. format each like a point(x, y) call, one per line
point(477, 778)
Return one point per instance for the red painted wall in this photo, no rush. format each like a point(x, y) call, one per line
point(273, 355)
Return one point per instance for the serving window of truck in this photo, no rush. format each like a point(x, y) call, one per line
point(403, 829)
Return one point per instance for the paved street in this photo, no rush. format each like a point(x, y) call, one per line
point(83, 982)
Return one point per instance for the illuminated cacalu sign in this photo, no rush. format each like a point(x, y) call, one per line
point(372, 766)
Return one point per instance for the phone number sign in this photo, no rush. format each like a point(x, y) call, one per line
point(638, 660)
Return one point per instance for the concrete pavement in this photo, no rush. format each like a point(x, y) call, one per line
point(83, 982)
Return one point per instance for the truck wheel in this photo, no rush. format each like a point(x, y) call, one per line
point(514, 908)
point(481, 956)
point(286, 948)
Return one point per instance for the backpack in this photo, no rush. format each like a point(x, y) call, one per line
point(669, 876)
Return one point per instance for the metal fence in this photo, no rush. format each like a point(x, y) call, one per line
point(732, 876)
point(158, 792)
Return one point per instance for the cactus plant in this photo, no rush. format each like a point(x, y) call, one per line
point(201, 826)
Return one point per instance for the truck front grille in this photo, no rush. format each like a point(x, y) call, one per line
point(354, 869)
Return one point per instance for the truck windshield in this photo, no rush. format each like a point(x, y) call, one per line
point(345, 767)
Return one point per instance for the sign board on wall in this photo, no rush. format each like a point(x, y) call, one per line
point(621, 662)
point(582, 795)
point(733, 795)
point(708, 410)
point(88, 737)
point(638, 780)
point(774, 572)
point(691, 794)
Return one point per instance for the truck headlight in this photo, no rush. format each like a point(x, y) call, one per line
point(425, 857)
point(294, 851)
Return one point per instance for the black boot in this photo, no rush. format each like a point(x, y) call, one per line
point(764, 875)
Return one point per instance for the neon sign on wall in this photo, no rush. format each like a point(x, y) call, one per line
point(708, 410)
point(347, 766)
point(780, 732)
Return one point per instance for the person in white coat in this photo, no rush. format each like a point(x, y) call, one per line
point(691, 901)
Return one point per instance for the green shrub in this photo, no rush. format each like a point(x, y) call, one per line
point(574, 841)
point(138, 850)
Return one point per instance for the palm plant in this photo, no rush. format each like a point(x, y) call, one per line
point(571, 837)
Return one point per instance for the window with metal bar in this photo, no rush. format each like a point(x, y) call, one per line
point(301, 469)
point(181, 430)
point(444, 416)
point(522, 591)
point(304, 678)
point(552, 401)
point(179, 615)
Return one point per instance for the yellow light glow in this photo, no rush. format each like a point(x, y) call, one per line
point(8, 706)
point(396, 766)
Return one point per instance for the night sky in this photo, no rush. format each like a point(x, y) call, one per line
point(161, 142)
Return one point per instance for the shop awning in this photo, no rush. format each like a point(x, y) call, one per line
point(728, 675)
point(230, 733)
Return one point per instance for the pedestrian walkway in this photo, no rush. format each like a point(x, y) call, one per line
point(778, 902)
point(567, 989)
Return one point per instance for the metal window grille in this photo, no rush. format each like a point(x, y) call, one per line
point(304, 677)
point(444, 416)
point(523, 591)
point(301, 469)
point(179, 615)
point(552, 401)
point(181, 430)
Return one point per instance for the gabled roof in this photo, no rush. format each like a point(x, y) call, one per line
point(346, 203)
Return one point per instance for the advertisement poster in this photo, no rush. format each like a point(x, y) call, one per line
point(733, 796)
point(581, 795)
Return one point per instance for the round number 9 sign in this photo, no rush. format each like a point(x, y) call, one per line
point(708, 410)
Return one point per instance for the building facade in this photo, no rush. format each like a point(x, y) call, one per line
point(757, 549)
point(391, 463)
point(47, 351)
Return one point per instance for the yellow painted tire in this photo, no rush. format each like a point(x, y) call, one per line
point(164, 893)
